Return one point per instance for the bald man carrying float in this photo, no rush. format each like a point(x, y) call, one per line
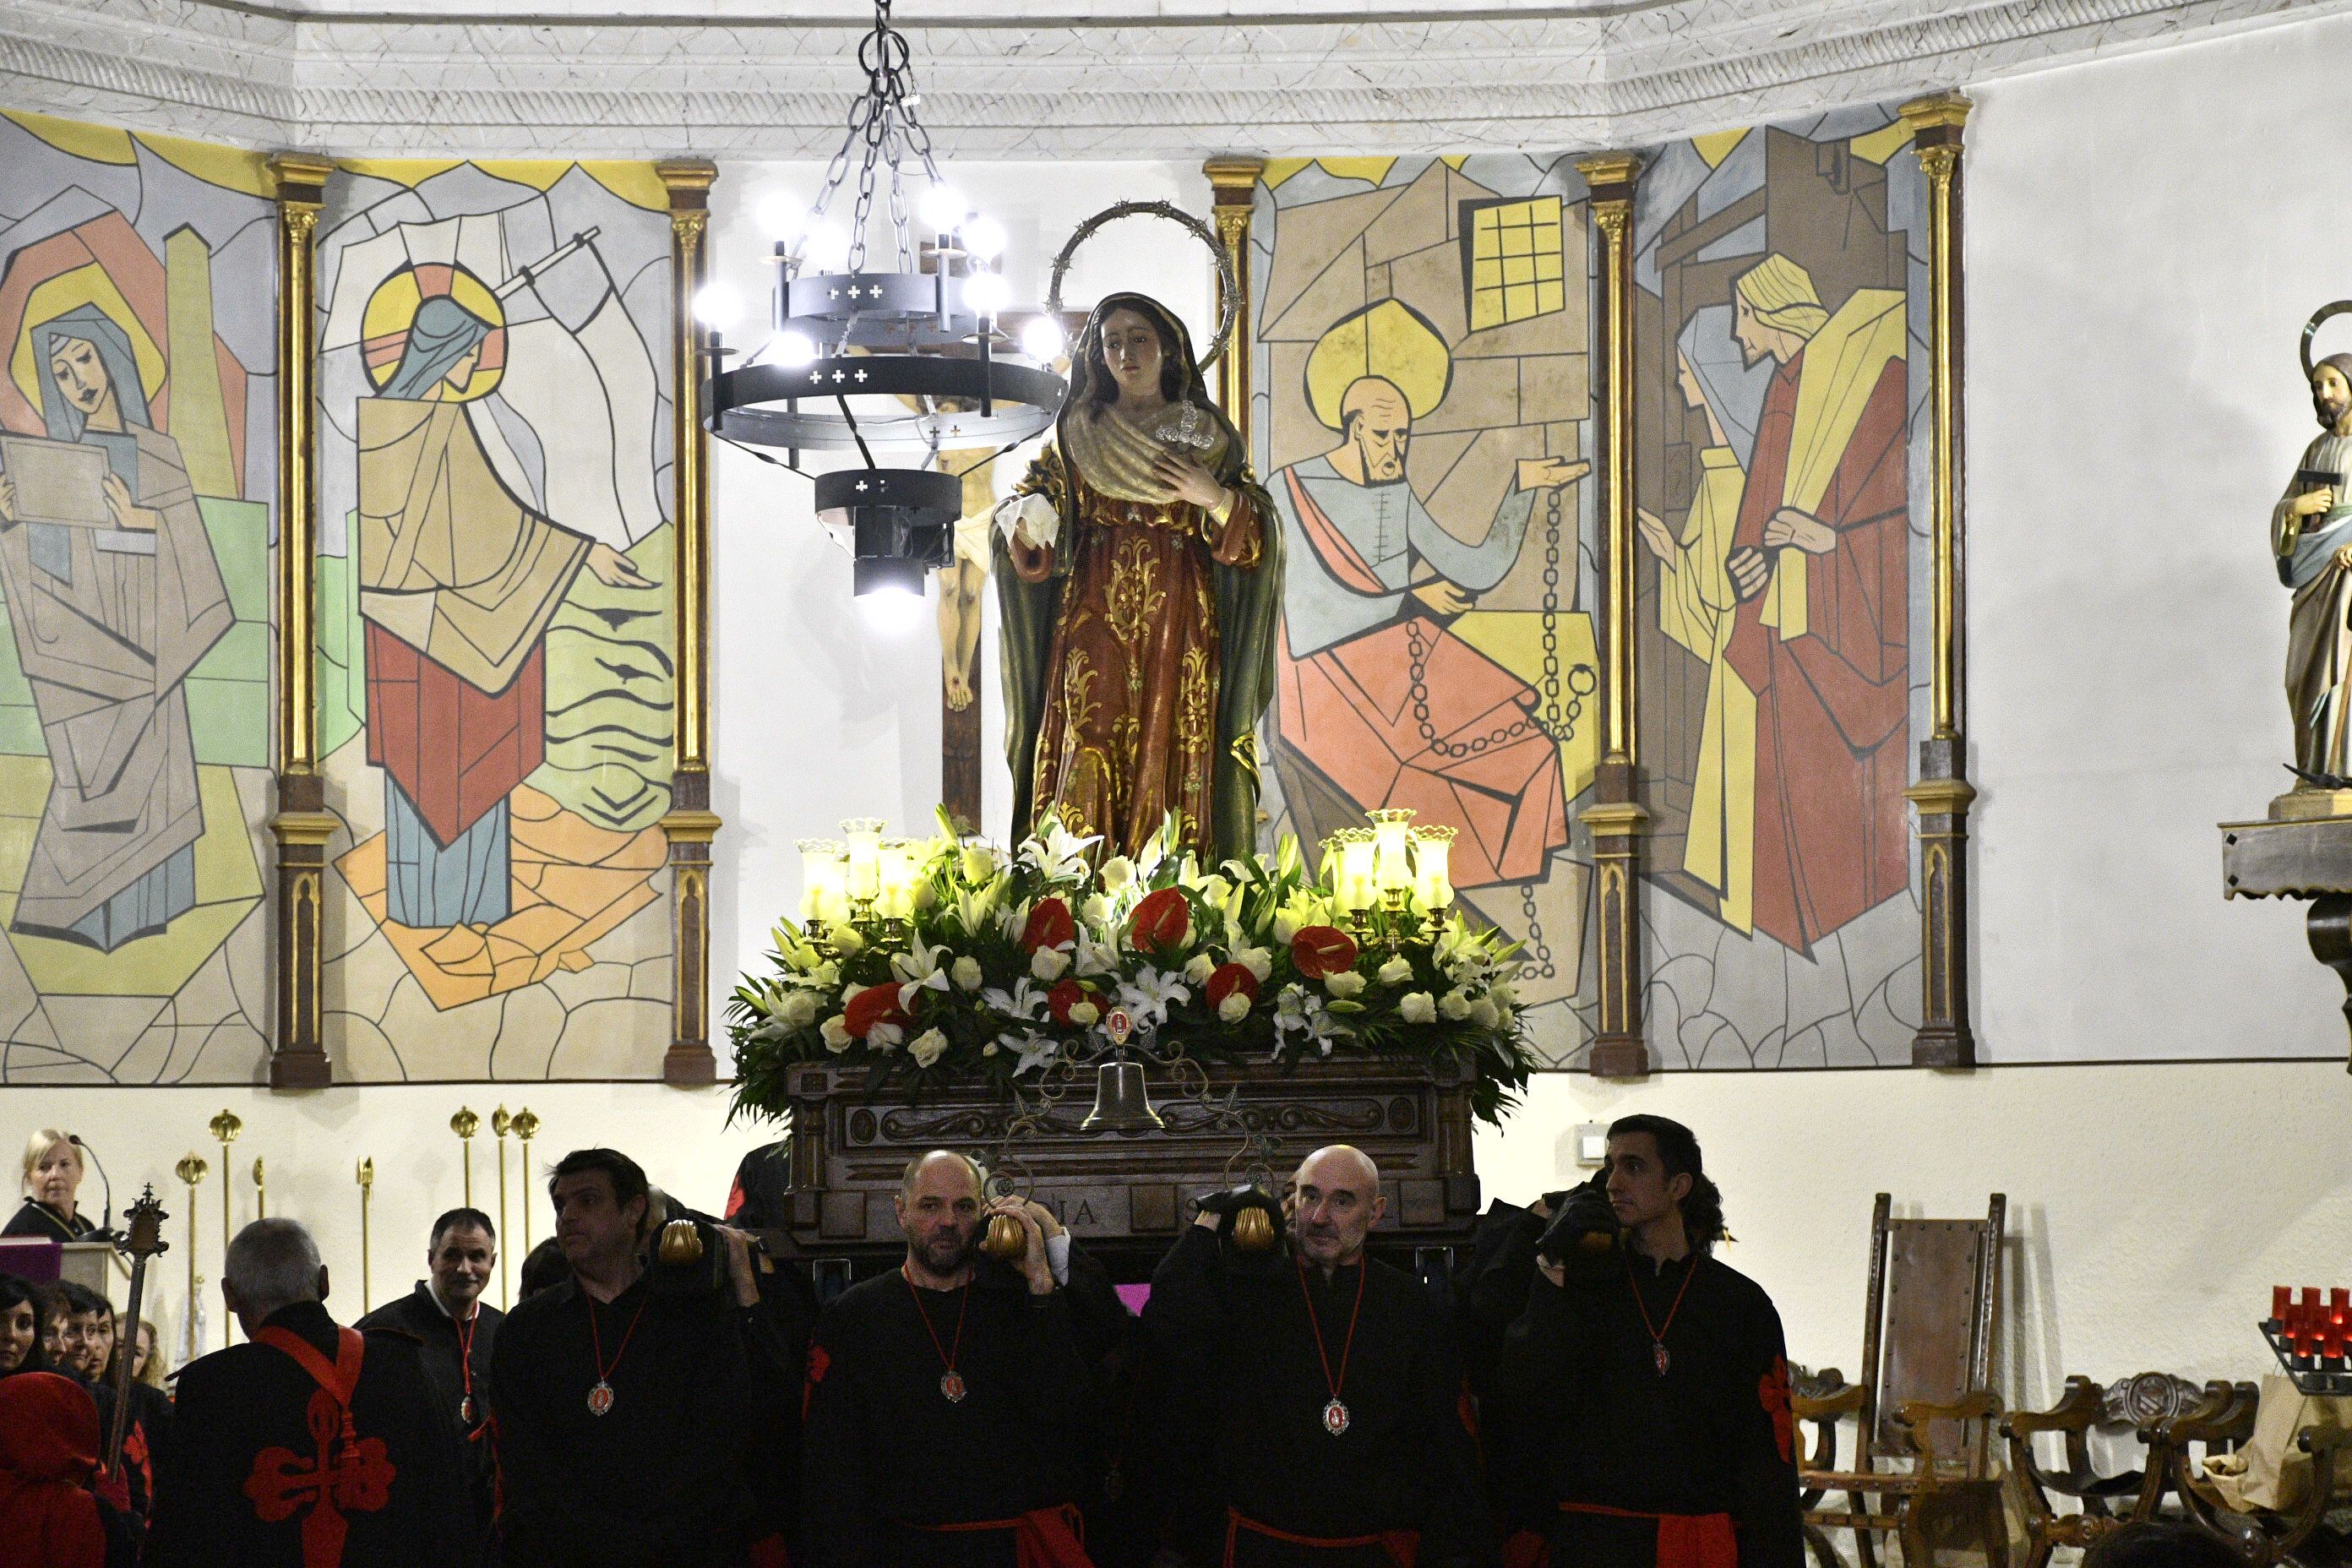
point(1319, 1389)
point(955, 1403)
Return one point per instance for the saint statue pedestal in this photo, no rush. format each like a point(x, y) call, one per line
point(1126, 1197)
point(2297, 855)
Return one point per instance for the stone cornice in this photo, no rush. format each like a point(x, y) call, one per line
point(718, 78)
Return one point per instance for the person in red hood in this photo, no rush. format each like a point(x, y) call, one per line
point(48, 1454)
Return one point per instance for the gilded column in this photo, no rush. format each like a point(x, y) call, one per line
point(1233, 180)
point(1616, 817)
point(302, 825)
point(1943, 792)
point(690, 824)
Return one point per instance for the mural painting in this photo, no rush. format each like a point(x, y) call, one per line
point(138, 465)
point(494, 653)
point(1780, 313)
point(1422, 417)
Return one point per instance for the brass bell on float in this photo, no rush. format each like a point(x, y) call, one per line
point(1253, 1229)
point(1004, 1240)
point(1120, 1103)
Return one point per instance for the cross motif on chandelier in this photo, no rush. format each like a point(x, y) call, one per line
point(861, 376)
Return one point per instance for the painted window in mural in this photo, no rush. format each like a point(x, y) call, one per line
point(495, 647)
point(1779, 318)
point(138, 463)
point(1424, 416)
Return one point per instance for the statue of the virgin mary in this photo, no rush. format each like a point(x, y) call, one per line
point(1139, 581)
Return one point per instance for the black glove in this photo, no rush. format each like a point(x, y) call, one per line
point(1582, 1236)
point(1228, 1206)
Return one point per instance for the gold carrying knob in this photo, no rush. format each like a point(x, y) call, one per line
point(1005, 1238)
point(526, 1124)
point(680, 1243)
point(465, 1124)
point(501, 1121)
point(1253, 1229)
point(367, 1172)
point(226, 1126)
point(191, 1169)
point(1597, 1242)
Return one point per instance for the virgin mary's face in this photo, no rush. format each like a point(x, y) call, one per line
point(461, 375)
point(1132, 348)
point(81, 375)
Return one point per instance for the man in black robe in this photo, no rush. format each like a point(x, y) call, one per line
point(1322, 1389)
point(955, 1405)
point(312, 1445)
point(447, 1315)
point(630, 1400)
point(1649, 1379)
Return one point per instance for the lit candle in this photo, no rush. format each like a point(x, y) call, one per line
point(2282, 1299)
point(896, 875)
point(821, 879)
point(1433, 848)
point(862, 878)
point(1392, 863)
point(1357, 887)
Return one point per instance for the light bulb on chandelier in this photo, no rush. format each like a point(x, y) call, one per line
point(987, 293)
point(780, 218)
point(718, 306)
point(794, 349)
point(942, 207)
point(983, 237)
point(1043, 339)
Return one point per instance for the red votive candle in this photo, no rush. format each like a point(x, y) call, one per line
point(2315, 1319)
point(2282, 1299)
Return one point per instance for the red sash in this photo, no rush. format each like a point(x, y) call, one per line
point(1041, 1538)
point(1684, 1539)
point(1345, 560)
point(349, 1475)
point(1401, 1545)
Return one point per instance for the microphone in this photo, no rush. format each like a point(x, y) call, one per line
point(75, 1139)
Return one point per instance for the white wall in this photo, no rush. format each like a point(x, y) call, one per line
point(2145, 239)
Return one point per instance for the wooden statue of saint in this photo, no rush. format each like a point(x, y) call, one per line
point(1139, 582)
point(2311, 537)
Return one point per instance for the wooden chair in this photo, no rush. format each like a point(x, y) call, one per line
point(1926, 1402)
point(2105, 1502)
point(2224, 1420)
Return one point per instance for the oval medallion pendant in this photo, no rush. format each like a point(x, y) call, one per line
point(600, 1398)
point(1334, 1417)
point(951, 1385)
point(1662, 1358)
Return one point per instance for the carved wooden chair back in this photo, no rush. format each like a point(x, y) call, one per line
point(1935, 1285)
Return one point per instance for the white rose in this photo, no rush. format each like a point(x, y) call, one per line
point(1417, 1007)
point(1286, 926)
point(885, 1036)
point(1234, 1007)
point(927, 1047)
point(1117, 873)
point(1502, 1017)
point(1502, 992)
point(835, 1031)
point(1454, 1005)
point(965, 973)
point(979, 863)
point(1484, 1012)
point(798, 1010)
point(1256, 960)
point(1199, 967)
point(1048, 963)
point(1347, 983)
point(1096, 910)
point(1084, 1013)
point(925, 895)
point(1397, 971)
point(847, 941)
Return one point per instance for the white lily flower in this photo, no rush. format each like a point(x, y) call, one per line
point(1023, 1001)
point(927, 1047)
point(1150, 994)
point(1048, 963)
point(1036, 1050)
point(1096, 957)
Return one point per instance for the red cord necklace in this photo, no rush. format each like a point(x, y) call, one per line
point(600, 1398)
point(466, 1361)
point(950, 1381)
point(1658, 1331)
point(1335, 1414)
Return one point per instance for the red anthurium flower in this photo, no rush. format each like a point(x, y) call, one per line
point(875, 1005)
point(1228, 978)
point(1161, 921)
point(1050, 924)
point(1321, 951)
point(1065, 996)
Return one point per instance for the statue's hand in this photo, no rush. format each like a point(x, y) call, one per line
point(2311, 503)
point(1188, 479)
point(1549, 473)
point(1032, 562)
point(2343, 557)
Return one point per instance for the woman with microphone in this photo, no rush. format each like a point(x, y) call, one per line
point(53, 1173)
